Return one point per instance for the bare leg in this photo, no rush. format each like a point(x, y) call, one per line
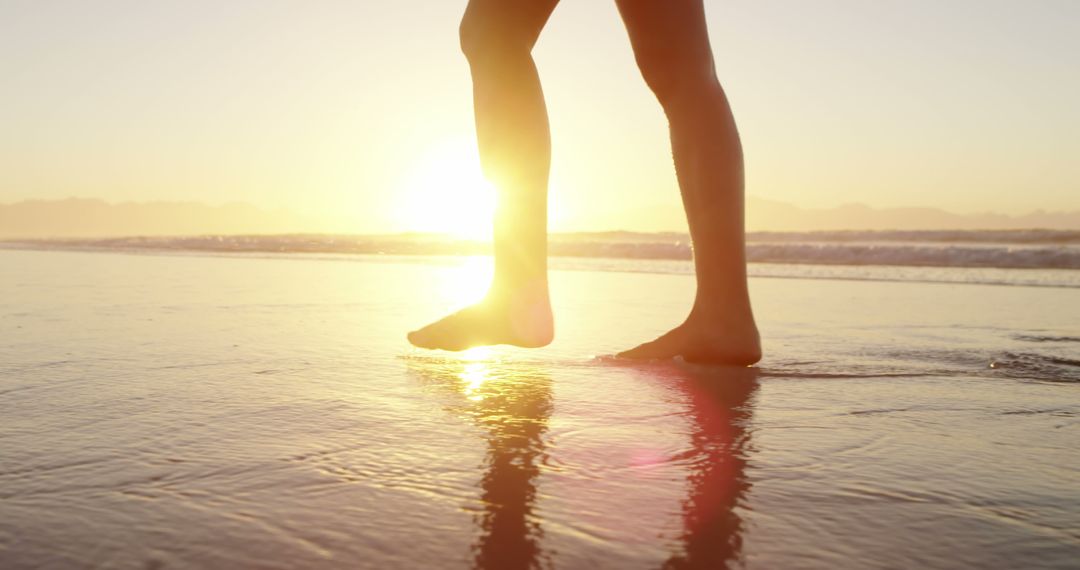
point(671, 45)
point(497, 37)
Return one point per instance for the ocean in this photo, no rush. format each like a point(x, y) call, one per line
point(1049, 256)
point(252, 403)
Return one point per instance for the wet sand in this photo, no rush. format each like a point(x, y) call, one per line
point(232, 412)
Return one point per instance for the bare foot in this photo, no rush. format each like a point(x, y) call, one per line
point(524, 324)
point(706, 343)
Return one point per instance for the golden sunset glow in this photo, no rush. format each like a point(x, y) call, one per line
point(476, 371)
point(468, 282)
point(358, 127)
point(445, 192)
point(515, 284)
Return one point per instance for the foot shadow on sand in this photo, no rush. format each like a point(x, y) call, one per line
point(513, 403)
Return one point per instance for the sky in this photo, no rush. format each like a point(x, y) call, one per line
point(359, 112)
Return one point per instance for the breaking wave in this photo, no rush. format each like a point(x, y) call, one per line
point(1047, 258)
point(1031, 249)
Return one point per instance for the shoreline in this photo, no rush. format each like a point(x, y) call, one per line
point(1051, 278)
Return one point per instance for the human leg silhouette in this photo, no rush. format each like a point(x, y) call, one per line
point(497, 37)
point(671, 45)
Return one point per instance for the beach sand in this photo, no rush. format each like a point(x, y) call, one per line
point(202, 412)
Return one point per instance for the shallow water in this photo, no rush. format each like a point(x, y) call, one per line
point(230, 412)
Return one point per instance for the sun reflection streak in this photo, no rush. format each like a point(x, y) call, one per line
point(474, 375)
point(511, 402)
point(476, 370)
point(477, 354)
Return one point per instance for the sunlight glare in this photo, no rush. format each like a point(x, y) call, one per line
point(476, 371)
point(445, 192)
point(477, 353)
point(468, 283)
point(474, 376)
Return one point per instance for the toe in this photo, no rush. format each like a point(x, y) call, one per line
point(436, 337)
point(422, 338)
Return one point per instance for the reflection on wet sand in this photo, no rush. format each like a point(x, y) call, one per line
point(513, 405)
point(719, 405)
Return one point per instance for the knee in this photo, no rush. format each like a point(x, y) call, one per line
point(485, 42)
point(678, 81)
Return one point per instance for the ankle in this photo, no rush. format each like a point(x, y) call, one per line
point(729, 315)
point(518, 291)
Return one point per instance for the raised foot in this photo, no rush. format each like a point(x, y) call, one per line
point(703, 343)
point(488, 323)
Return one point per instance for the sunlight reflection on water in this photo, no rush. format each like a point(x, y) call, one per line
point(208, 412)
point(512, 402)
point(511, 405)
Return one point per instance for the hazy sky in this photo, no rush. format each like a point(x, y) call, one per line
point(361, 109)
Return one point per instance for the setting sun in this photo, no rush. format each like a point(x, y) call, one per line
point(445, 192)
point(468, 282)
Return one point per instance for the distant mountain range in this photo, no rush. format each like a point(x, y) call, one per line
point(80, 217)
point(769, 215)
point(90, 218)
